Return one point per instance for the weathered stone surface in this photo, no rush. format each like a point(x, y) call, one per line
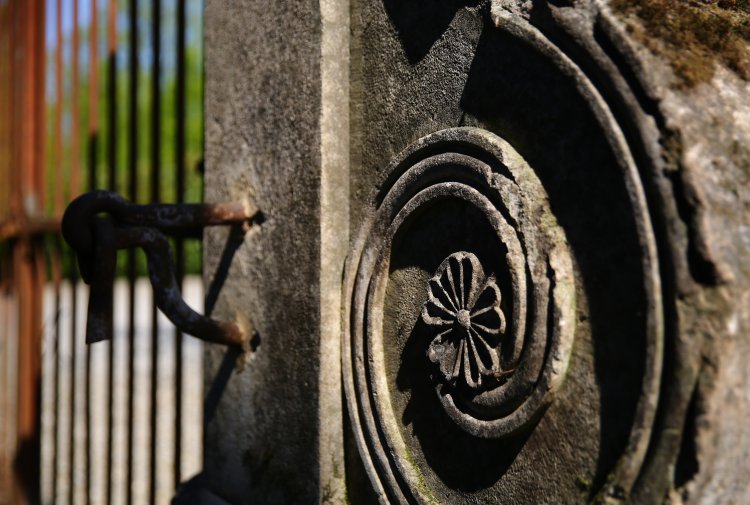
point(262, 111)
point(276, 108)
point(588, 173)
point(705, 130)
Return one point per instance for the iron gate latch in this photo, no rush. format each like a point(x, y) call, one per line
point(96, 238)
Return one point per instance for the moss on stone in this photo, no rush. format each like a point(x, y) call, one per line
point(693, 35)
point(583, 483)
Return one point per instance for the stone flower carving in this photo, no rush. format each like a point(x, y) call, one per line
point(464, 310)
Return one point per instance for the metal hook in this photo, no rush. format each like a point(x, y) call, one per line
point(96, 241)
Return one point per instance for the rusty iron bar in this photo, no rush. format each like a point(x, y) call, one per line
point(18, 227)
point(58, 123)
point(27, 192)
point(96, 241)
point(75, 144)
point(174, 219)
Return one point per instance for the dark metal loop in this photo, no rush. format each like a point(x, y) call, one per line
point(78, 228)
point(80, 213)
point(96, 239)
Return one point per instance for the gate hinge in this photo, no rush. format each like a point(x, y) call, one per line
point(99, 223)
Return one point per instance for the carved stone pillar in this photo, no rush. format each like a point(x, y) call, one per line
point(532, 220)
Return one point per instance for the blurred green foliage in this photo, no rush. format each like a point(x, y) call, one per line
point(99, 143)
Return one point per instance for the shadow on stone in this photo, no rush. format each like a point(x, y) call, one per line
point(420, 23)
point(234, 241)
point(228, 363)
point(462, 461)
point(524, 98)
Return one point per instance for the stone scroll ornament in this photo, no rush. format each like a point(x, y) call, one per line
point(493, 319)
point(481, 363)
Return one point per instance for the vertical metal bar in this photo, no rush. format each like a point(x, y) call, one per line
point(93, 95)
point(40, 277)
point(5, 129)
point(72, 394)
point(56, 276)
point(112, 162)
point(29, 373)
point(16, 206)
point(132, 190)
point(74, 161)
point(10, 84)
point(179, 244)
point(93, 121)
point(38, 56)
point(75, 141)
point(155, 197)
point(28, 171)
point(29, 370)
point(39, 59)
point(27, 448)
point(6, 356)
point(87, 470)
point(112, 93)
point(58, 104)
point(58, 203)
point(75, 186)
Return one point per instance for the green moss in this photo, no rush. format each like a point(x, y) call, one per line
point(693, 35)
point(583, 483)
point(422, 486)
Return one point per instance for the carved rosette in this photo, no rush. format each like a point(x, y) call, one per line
point(464, 308)
point(491, 310)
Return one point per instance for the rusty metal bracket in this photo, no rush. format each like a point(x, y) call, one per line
point(99, 223)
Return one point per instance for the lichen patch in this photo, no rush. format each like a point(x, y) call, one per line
point(693, 35)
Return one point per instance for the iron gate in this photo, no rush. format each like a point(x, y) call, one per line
point(95, 94)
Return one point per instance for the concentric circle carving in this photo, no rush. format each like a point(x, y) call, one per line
point(492, 305)
point(459, 398)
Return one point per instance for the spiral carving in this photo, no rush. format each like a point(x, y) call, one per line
point(492, 377)
point(504, 326)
